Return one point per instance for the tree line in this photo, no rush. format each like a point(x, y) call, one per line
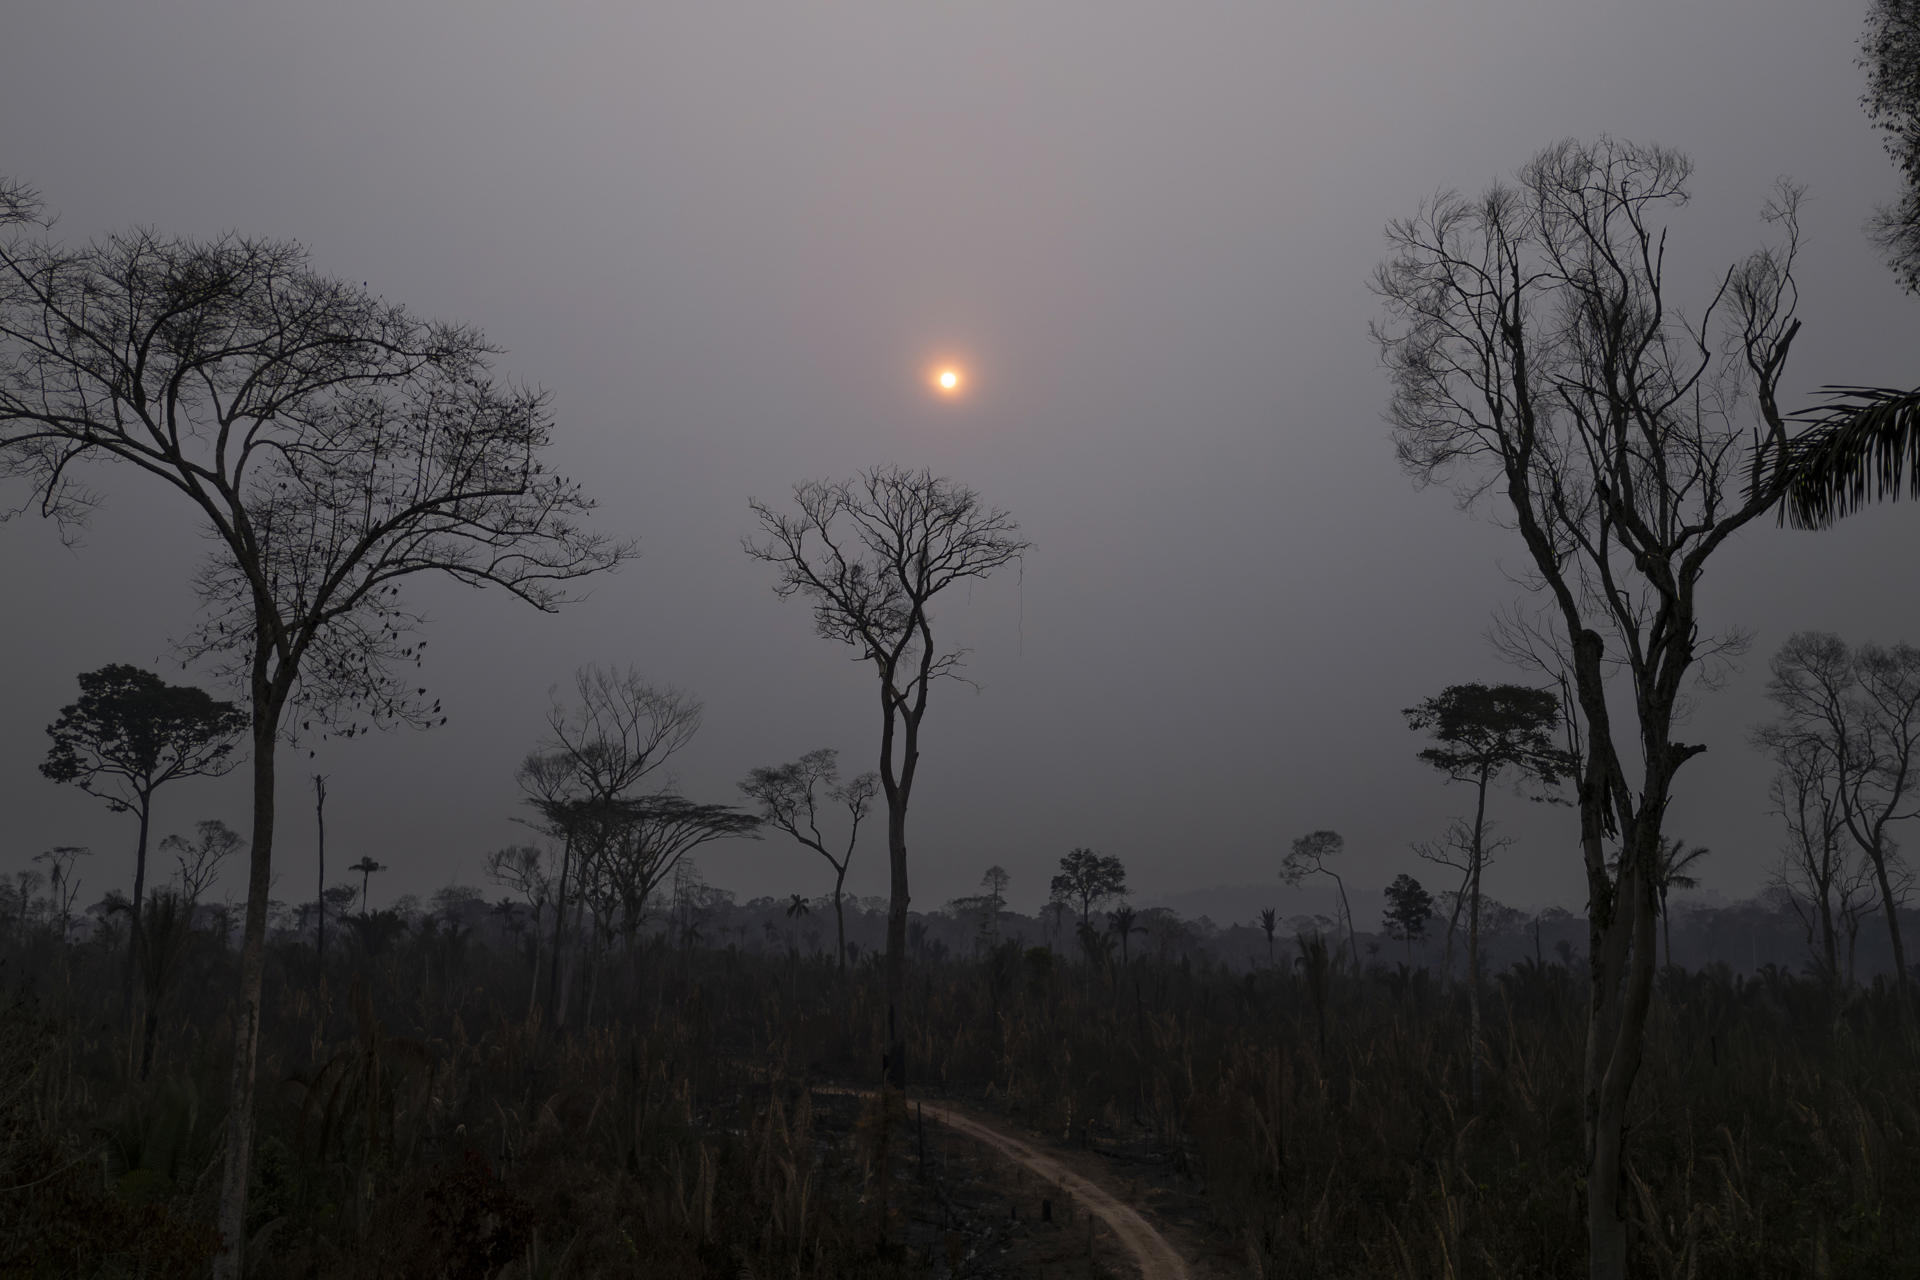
point(334, 446)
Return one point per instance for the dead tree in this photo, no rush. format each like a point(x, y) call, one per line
point(871, 554)
point(1541, 369)
point(331, 444)
point(789, 796)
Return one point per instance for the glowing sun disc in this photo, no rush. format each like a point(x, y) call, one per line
point(949, 379)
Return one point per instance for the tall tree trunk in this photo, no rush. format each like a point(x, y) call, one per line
point(1623, 1044)
point(554, 1017)
point(320, 897)
point(1476, 860)
point(1453, 924)
point(896, 1055)
point(533, 989)
point(1890, 904)
point(268, 701)
point(839, 911)
point(135, 931)
point(148, 1035)
point(1666, 930)
point(1827, 942)
point(1353, 943)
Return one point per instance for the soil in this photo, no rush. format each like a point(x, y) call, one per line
point(982, 1199)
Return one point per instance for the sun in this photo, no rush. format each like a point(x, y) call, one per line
point(947, 380)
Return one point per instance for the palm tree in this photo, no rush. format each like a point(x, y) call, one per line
point(1862, 446)
point(1675, 858)
point(366, 867)
point(1269, 921)
point(1121, 923)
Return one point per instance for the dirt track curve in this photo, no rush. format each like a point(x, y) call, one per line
point(1149, 1250)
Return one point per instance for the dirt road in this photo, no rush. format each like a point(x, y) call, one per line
point(1149, 1250)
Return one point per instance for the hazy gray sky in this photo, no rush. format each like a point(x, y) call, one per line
point(730, 239)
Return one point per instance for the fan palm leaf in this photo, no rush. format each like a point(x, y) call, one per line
point(1862, 446)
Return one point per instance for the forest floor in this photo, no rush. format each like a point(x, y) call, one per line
point(987, 1200)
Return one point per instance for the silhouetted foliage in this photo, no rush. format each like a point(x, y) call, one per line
point(1087, 879)
point(131, 733)
point(1312, 855)
point(1890, 51)
point(1409, 908)
point(332, 443)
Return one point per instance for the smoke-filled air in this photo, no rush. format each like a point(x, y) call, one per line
point(986, 642)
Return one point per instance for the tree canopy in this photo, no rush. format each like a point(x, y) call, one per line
point(130, 732)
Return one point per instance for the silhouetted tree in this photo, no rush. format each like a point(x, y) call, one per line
point(366, 867)
point(1539, 364)
point(1675, 858)
point(1484, 733)
point(527, 871)
point(1316, 963)
point(871, 554)
point(1863, 444)
point(631, 844)
point(995, 881)
point(1455, 850)
point(1890, 52)
point(1311, 855)
point(63, 884)
point(789, 796)
point(131, 733)
point(1859, 711)
point(1269, 922)
point(320, 865)
point(1819, 870)
point(200, 858)
point(333, 445)
point(1055, 908)
point(1120, 923)
point(1409, 907)
point(616, 731)
point(1089, 879)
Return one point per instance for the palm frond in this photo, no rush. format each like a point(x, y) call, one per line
point(1862, 446)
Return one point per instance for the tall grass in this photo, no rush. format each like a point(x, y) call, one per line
point(421, 1117)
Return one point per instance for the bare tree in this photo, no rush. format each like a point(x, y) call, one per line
point(200, 859)
point(527, 870)
point(789, 796)
point(1818, 868)
point(1454, 850)
point(1541, 369)
point(1858, 712)
point(871, 554)
point(618, 728)
point(1311, 855)
point(615, 732)
point(332, 444)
